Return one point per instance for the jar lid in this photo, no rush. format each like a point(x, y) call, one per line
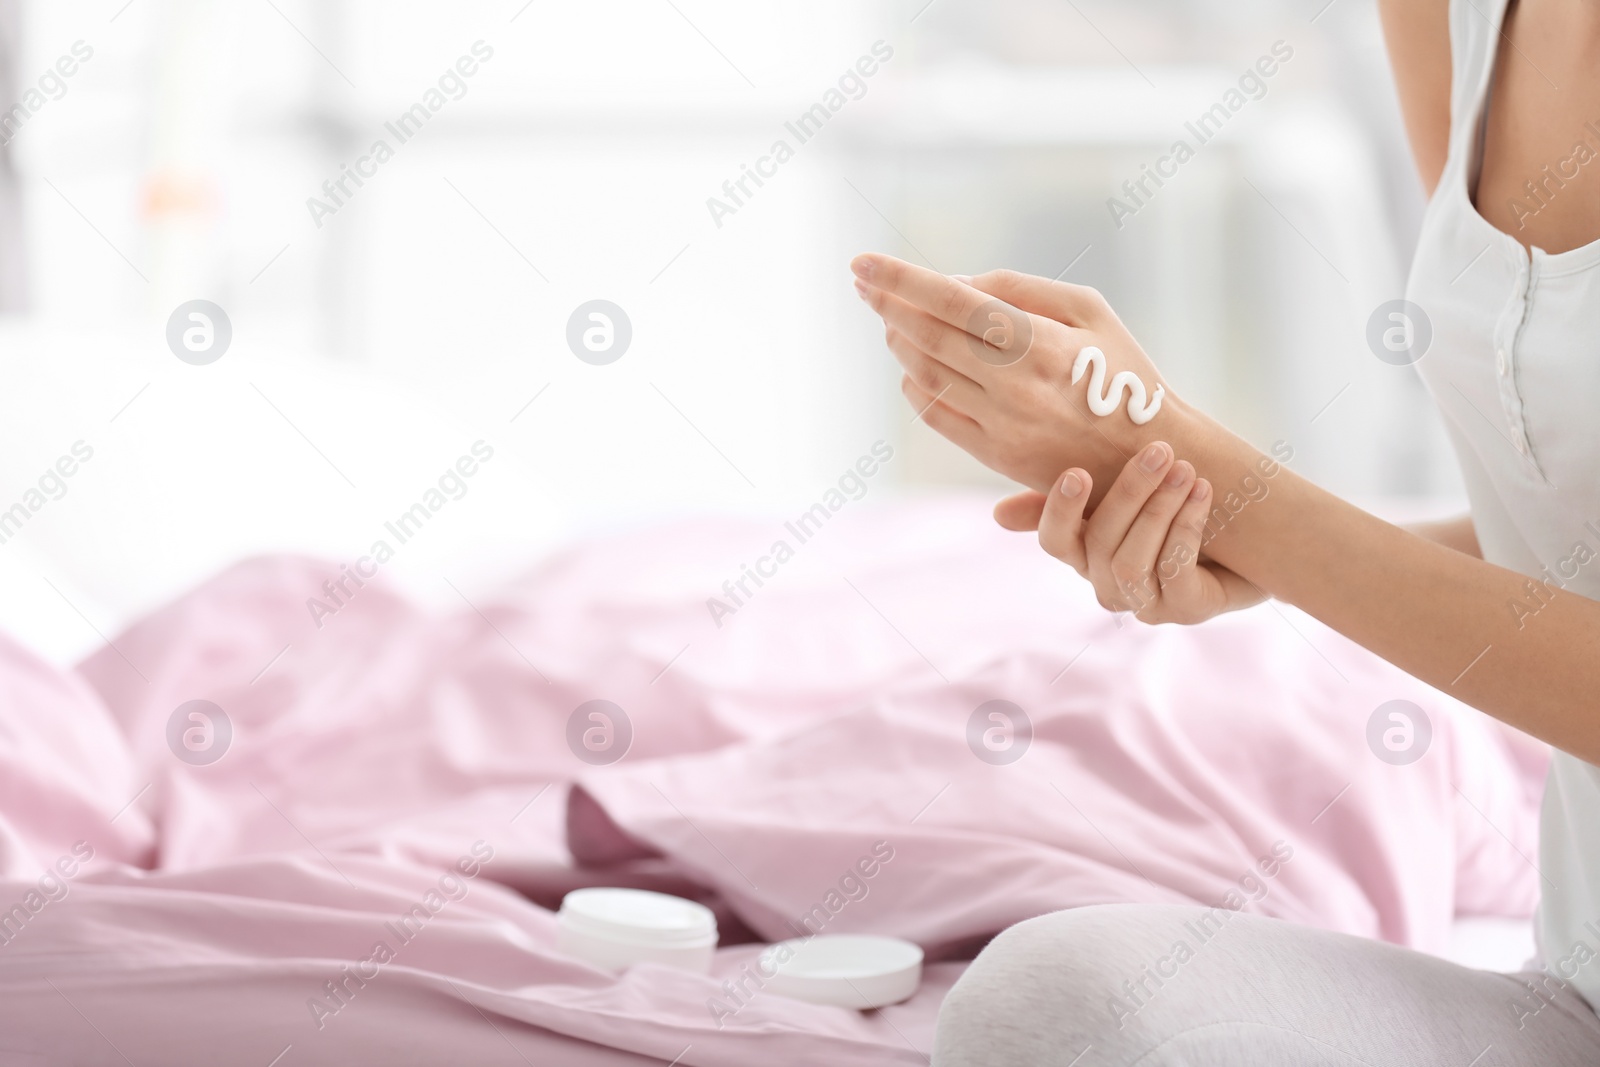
point(637, 916)
point(848, 970)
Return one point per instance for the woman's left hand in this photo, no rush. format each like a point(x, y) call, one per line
point(1011, 403)
point(1141, 547)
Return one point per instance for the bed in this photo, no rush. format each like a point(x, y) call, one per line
point(232, 908)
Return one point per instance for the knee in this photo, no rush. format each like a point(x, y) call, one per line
point(1046, 988)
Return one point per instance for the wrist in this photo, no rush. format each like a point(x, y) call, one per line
point(1180, 425)
point(1226, 460)
point(1115, 442)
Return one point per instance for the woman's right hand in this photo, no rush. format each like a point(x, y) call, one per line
point(1141, 546)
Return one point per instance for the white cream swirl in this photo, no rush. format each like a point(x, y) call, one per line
point(1104, 402)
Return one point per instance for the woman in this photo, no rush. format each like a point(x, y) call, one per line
point(1497, 608)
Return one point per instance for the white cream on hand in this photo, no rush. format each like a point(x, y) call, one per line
point(1102, 401)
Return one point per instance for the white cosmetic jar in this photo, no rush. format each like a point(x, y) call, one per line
point(859, 971)
point(613, 929)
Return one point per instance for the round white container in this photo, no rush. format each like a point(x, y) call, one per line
point(613, 929)
point(848, 970)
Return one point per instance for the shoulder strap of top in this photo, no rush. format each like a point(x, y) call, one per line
point(1474, 44)
point(1474, 37)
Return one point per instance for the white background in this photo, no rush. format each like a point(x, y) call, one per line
point(370, 352)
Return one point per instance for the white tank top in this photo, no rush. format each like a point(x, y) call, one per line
point(1514, 366)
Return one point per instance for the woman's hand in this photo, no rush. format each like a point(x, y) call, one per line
point(989, 362)
point(1141, 546)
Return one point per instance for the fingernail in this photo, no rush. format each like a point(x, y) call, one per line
point(1153, 458)
point(1178, 476)
point(861, 289)
point(1071, 485)
point(1202, 489)
point(964, 279)
point(862, 266)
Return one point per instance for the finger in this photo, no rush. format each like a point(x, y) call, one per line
point(1021, 512)
point(946, 420)
point(1183, 587)
point(933, 376)
point(1061, 525)
point(954, 346)
point(1134, 565)
point(1114, 516)
point(1074, 305)
point(951, 302)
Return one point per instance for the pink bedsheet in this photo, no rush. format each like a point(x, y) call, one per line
point(394, 761)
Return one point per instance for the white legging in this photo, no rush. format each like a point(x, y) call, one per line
point(1119, 985)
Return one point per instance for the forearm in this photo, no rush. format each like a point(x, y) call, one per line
point(1435, 612)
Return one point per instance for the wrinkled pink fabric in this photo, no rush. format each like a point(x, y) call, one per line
point(825, 718)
